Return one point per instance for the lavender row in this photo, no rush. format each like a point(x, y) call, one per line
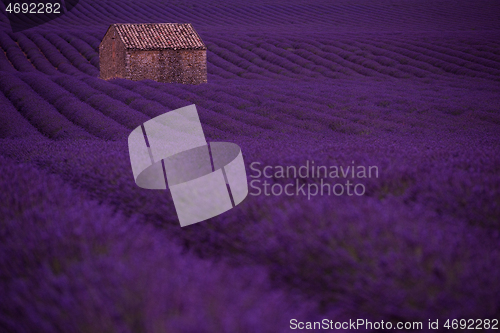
point(296, 61)
point(292, 17)
point(52, 54)
point(135, 101)
point(81, 114)
point(173, 102)
point(5, 64)
point(220, 101)
point(229, 63)
point(41, 114)
point(284, 233)
point(473, 62)
point(34, 54)
point(16, 57)
point(395, 60)
point(13, 124)
point(86, 247)
point(469, 67)
point(83, 48)
point(107, 105)
point(88, 38)
point(72, 54)
point(125, 96)
point(357, 59)
point(245, 60)
point(445, 62)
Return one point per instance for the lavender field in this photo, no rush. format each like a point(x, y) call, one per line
point(411, 87)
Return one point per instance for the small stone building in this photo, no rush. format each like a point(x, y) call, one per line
point(164, 52)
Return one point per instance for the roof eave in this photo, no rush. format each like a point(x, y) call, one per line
point(167, 48)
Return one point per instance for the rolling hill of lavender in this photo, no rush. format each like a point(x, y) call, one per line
point(412, 87)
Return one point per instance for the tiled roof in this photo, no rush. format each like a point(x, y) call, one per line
point(155, 36)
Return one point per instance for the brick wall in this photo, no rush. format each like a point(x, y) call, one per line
point(179, 66)
point(112, 60)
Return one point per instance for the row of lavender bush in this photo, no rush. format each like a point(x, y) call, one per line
point(60, 251)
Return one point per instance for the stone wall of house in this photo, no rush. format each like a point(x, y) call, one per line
point(179, 66)
point(112, 56)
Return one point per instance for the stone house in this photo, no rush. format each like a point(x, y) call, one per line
point(164, 52)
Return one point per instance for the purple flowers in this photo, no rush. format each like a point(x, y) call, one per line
point(403, 88)
point(63, 248)
point(37, 111)
point(14, 55)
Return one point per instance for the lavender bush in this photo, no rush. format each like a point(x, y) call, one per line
point(59, 243)
point(37, 111)
point(52, 54)
point(33, 53)
point(411, 88)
